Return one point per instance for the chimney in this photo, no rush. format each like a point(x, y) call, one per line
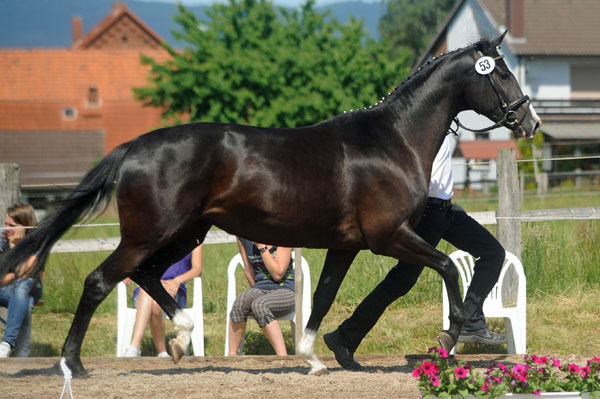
point(77, 29)
point(514, 14)
point(118, 7)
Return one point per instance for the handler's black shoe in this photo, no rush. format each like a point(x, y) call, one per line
point(482, 336)
point(342, 354)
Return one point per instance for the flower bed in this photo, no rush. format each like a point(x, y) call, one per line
point(440, 377)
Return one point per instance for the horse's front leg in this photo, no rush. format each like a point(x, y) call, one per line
point(409, 247)
point(337, 263)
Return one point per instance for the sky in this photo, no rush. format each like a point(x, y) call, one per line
point(286, 3)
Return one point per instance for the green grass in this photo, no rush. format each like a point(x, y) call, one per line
point(560, 259)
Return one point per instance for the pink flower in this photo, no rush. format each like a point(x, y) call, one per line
point(441, 351)
point(435, 381)
point(585, 371)
point(539, 360)
point(523, 376)
point(430, 368)
point(556, 362)
point(518, 369)
point(461, 372)
point(573, 368)
point(537, 392)
point(417, 372)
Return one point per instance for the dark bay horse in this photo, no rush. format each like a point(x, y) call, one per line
point(356, 181)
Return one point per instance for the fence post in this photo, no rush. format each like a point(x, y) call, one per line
point(10, 188)
point(299, 291)
point(509, 209)
point(509, 202)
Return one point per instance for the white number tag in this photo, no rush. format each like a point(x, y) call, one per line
point(485, 65)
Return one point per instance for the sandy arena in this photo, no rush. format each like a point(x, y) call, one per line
point(226, 377)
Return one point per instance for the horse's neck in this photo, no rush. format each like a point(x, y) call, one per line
point(426, 111)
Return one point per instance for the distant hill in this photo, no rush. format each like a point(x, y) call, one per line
point(47, 23)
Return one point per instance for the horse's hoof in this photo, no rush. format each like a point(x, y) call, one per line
point(446, 341)
point(318, 371)
point(76, 372)
point(177, 350)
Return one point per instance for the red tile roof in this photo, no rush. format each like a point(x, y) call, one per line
point(65, 74)
point(484, 149)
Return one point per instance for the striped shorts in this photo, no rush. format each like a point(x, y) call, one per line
point(264, 305)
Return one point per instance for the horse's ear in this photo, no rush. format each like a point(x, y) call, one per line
point(496, 42)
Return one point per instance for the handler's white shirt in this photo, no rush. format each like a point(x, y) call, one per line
point(440, 185)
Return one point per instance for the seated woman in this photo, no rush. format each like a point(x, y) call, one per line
point(269, 271)
point(150, 312)
point(18, 291)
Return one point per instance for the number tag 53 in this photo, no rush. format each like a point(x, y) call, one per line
point(485, 65)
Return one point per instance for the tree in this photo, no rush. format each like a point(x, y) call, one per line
point(409, 25)
point(252, 63)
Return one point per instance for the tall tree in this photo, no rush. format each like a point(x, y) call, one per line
point(252, 63)
point(409, 25)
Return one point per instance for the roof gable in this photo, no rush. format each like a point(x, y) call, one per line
point(119, 30)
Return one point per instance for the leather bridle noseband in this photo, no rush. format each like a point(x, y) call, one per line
point(510, 117)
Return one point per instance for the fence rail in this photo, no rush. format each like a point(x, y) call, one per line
point(220, 237)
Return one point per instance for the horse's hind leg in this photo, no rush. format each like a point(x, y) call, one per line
point(336, 266)
point(148, 278)
point(97, 286)
point(182, 323)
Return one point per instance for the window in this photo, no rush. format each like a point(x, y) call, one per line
point(93, 97)
point(69, 113)
point(585, 81)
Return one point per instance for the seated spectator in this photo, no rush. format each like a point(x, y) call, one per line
point(269, 271)
point(18, 291)
point(150, 312)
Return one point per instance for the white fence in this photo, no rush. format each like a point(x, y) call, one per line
point(219, 236)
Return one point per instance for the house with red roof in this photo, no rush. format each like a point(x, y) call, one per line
point(63, 109)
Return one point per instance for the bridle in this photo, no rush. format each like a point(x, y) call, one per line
point(510, 117)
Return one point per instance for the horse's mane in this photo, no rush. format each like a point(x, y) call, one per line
point(414, 80)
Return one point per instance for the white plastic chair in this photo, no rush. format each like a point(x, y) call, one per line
point(515, 317)
point(126, 319)
point(232, 294)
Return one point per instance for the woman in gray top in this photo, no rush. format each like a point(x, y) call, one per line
point(269, 271)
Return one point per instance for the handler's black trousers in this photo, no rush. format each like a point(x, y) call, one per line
point(440, 220)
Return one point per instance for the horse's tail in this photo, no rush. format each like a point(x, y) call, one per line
point(92, 194)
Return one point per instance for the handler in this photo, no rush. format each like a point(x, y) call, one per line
point(441, 219)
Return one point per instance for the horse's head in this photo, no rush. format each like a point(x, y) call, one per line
point(493, 91)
